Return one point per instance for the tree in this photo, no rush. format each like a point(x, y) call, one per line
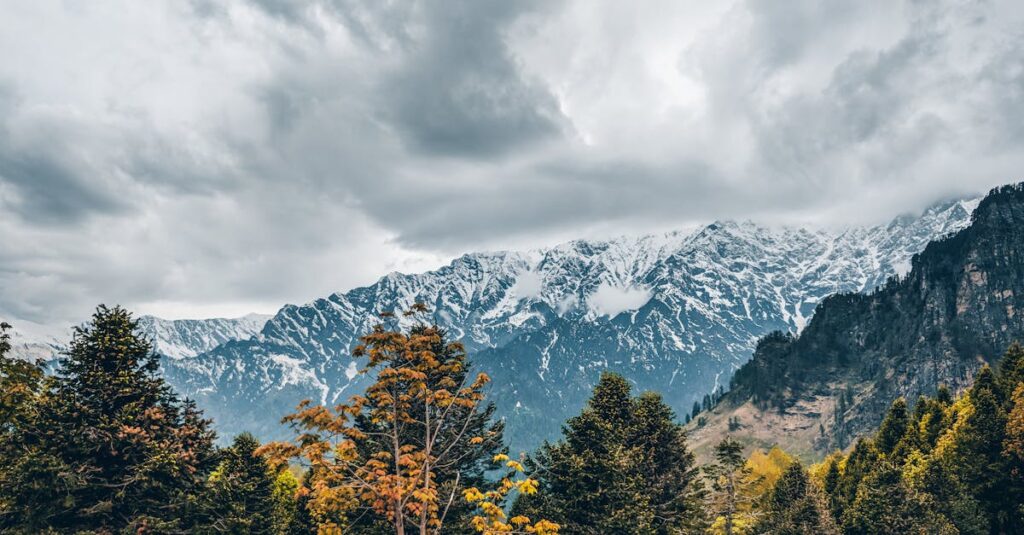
point(242, 494)
point(794, 506)
point(1013, 449)
point(112, 447)
point(622, 466)
point(1011, 370)
point(730, 484)
point(384, 452)
point(884, 504)
point(893, 427)
point(491, 505)
point(21, 385)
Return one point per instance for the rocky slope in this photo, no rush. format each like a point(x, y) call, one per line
point(958, 308)
point(677, 313)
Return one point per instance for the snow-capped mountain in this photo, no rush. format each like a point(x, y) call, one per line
point(675, 313)
point(174, 339)
point(182, 339)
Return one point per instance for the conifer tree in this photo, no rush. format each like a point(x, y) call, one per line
point(893, 427)
point(114, 448)
point(731, 487)
point(240, 495)
point(622, 467)
point(794, 506)
point(1011, 371)
point(884, 504)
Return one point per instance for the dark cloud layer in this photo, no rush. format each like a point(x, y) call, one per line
point(215, 157)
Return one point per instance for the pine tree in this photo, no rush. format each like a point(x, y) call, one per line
point(731, 487)
point(884, 504)
point(240, 495)
point(859, 464)
point(893, 427)
point(794, 506)
point(115, 449)
point(1011, 371)
point(622, 467)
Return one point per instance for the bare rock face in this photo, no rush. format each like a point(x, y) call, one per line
point(956, 310)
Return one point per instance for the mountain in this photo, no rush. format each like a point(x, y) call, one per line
point(174, 339)
point(959, 307)
point(186, 338)
point(677, 313)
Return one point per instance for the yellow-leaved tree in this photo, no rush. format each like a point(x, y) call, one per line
point(492, 504)
point(381, 452)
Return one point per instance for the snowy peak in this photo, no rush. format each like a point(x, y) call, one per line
point(674, 312)
point(186, 338)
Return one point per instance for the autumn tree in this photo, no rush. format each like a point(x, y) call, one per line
point(402, 449)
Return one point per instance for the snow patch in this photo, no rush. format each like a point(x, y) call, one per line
point(609, 300)
point(351, 371)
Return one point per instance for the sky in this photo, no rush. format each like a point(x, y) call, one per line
point(198, 158)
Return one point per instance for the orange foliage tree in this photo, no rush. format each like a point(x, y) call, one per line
point(381, 450)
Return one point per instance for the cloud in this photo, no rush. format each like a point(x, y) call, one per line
point(609, 300)
point(222, 157)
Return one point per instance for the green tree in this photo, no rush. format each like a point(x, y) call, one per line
point(794, 506)
point(622, 467)
point(893, 427)
point(1011, 371)
point(884, 504)
point(241, 494)
point(731, 485)
point(113, 448)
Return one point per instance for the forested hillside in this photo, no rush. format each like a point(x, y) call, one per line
point(958, 309)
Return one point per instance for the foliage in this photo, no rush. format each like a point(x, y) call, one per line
point(621, 467)
point(393, 451)
point(109, 447)
point(733, 488)
point(950, 466)
point(244, 495)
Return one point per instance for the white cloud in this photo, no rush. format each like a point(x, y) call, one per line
point(609, 300)
point(528, 285)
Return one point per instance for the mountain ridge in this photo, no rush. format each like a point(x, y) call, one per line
point(675, 312)
point(956, 310)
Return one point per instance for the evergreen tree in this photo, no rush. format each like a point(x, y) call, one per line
point(893, 427)
point(1011, 370)
point(113, 447)
point(622, 467)
point(975, 457)
point(884, 504)
point(240, 495)
point(794, 507)
point(859, 464)
point(731, 487)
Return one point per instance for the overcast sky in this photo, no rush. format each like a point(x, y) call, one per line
point(215, 157)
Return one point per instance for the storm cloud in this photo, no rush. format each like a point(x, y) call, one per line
point(210, 158)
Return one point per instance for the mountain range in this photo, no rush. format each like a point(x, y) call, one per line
point(677, 313)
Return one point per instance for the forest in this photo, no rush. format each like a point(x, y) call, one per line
point(100, 444)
